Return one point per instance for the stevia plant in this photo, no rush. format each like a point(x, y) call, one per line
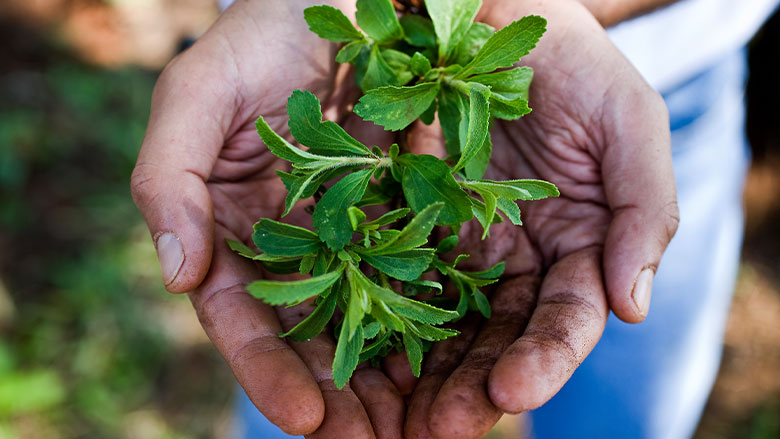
point(410, 68)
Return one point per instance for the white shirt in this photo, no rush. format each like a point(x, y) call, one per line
point(675, 43)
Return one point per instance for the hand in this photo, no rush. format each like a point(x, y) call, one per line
point(601, 135)
point(203, 175)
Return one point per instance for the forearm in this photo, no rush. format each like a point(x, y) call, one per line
point(611, 12)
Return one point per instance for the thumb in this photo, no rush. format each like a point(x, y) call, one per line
point(182, 142)
point(426, 139)
point(640, 189)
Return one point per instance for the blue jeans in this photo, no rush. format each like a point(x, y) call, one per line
point(652, 380)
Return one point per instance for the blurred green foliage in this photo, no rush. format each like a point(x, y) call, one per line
point(85, 347)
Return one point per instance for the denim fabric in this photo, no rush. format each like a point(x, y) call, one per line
point(652, 380)
point(251, 424)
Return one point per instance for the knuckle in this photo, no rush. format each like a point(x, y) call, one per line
point(577, 305)
point(171, 75)
point(209, 304)
point(554, 340)
point(671, 218)
point(249, 350)
point(140, 178)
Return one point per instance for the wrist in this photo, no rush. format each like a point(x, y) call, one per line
point(612, 12)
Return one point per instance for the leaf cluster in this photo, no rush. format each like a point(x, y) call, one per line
point(409, 68)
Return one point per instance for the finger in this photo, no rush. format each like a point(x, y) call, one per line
point(244, 330)
point(568, 320)
point(462, 408)
point(381, 400)
point(426, 139)
point(443, 358)
point(397, 368)
point(344, 412)
point(640, 190)
point(187, 125)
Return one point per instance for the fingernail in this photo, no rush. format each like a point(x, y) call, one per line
point(171, 255)
point(642, 290)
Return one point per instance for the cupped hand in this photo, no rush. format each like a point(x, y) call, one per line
point(203, 175)
point(602, 136)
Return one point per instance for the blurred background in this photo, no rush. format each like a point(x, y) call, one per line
point(91, 346)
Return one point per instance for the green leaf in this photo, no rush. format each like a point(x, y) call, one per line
point(510, 84)
point(375, 348)
point(429, 115)
point(383, 314)
point(384, 236)
point(418, 31)
point(506, 46)
point(427, 180)
point(410, 237)
point(373, 196)
point(282, 148)
point(282, 239)
point(419, 286)
point(350, 51)
point(241, 248)
point(413, 309)
point(307, 263)
point(527, 189)
point(347, 355)
point(478, 210)
point(377, 18)
point(491, 273)
point(430, 333)
point(490, 210)
point(330, 217)
point(508, 109)
point(452, 108)
point(419, 64)
point(275, 292)
point(404, 306)
point(331, 24)
point(479, 122)
point(447, 244)
point(299, 185)
point(312, 325)
point(356, 217)
point(399, 62)
point(371, 330)
point(463, 300)
point(322, 262)
point(414, 353)
point(396, 107)
point(281, 266)
point(378, 72)
point(451, 20)
point(406, 266)
point(470, 44)
point(389, 217)
point(482, 302)
point(326, 138)
point(478, 165)
point(511, 210)
point(357, 305)
point(344, 255)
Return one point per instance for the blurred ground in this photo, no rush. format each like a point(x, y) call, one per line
point(90, 344)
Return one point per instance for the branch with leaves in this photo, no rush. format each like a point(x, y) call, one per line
point(409, 68)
